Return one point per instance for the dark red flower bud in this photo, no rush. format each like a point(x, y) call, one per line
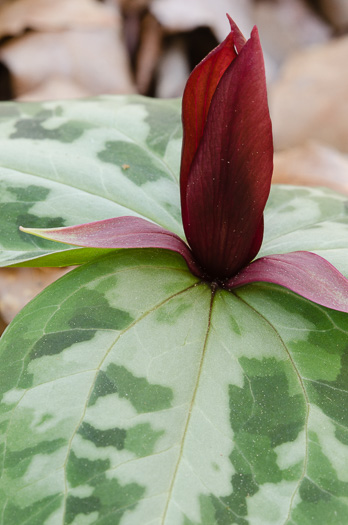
point(227, 157)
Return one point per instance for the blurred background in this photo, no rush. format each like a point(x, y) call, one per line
point(55, 49)
point(69, 48)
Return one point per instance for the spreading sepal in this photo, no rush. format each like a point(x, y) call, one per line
point(304, 273)
point(119, 232)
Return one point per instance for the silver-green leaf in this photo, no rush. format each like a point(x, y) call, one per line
point(65, 163)
point(133, 394)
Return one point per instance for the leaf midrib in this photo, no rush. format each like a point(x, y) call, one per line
point(188, 419)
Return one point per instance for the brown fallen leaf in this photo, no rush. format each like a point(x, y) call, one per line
point(287, 26)
point(94, 60)
point(50, 15)
point(55, 87)
point(309, 101)
point(312, 165)
point(19, 285)
point(149, 52)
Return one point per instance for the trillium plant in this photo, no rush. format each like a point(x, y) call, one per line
point(188, 373)
point(225, 179)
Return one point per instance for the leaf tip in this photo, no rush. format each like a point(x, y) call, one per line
point(25, 230)
point(33, 231)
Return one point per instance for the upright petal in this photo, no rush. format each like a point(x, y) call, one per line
point(230, 176)
point(305, 273)
point(121, 232)
point(198, 93)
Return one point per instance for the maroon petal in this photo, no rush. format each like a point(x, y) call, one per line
point(198, 93)
point(230, 176)
point(121, 232)
point(239, 39)
point(305, 273)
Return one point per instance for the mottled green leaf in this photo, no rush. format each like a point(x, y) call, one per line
point(310, 219)
point(65, 163)
point(132, 394)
